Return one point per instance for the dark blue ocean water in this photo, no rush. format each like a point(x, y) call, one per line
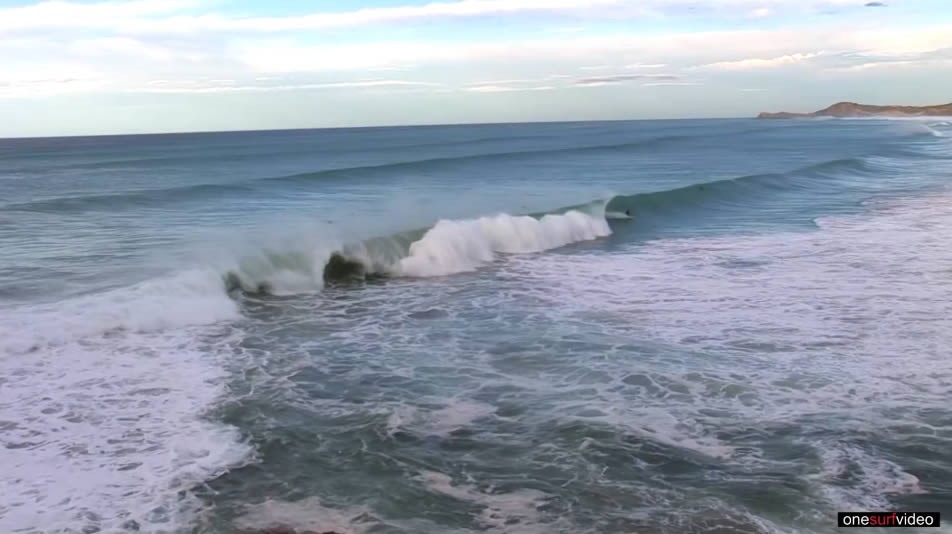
point(658, 326)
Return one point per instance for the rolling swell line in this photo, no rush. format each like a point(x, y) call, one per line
point(436, 162)
point(199, 156)
point(818, 176)
point(154, 197)
point(141, 198)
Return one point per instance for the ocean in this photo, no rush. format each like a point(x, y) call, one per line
point(453, 329)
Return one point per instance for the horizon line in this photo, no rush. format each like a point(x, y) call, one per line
point(364, 127)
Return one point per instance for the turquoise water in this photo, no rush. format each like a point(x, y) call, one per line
point(458, 329)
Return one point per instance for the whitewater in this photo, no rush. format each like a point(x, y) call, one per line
point(525, 328)
point(140, 369)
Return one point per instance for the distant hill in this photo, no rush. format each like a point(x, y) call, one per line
point(852, 109)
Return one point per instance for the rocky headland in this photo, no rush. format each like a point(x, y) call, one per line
point(852, 109)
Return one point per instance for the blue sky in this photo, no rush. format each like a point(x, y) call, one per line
point(134, 66)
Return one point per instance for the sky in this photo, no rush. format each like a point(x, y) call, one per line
point(139, 66)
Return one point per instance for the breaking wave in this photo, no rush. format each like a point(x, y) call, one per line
point(204, 292)
point(456, 246)
point(448, 247)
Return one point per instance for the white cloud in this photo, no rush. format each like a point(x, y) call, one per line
point(502, 82)
point(899, 63)
point(63, 14)
point(140, 15)
point(569, 29)
point(507, 88)
point(190, 16)
point(623, 78)
point(232, 86)
point(35, 88)
point(124, 46)
point(283, 57)
point(761, 63)
point(893, 41)
point(122, 61)
point(671, 84)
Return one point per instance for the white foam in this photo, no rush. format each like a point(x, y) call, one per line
point(850, 322)
point(309, 515)
point(798, 288)
point(459, 246)
point(917, 125)
point(440, 422)
point(515, 511)
point(100, 433)
point(400, 417)
point(102, 400)
point(457, 415)
point(878, 478)
point(194, 297)
point(667, 426)
point(932, 131)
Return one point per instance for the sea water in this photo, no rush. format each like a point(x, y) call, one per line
point(458, 329)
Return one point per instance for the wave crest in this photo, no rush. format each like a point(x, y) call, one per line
point(448, 247)
point(458, 246)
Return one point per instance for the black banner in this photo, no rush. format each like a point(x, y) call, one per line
point(887, 519)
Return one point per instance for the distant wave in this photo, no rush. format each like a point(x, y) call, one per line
point(155, 197)
point(159, 196)
point(431, 163)
point(125, 161)
point(922, 128)
point(739, 189)
point(141, 198)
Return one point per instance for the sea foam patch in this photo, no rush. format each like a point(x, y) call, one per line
point(110, 434)
point(801, 329)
